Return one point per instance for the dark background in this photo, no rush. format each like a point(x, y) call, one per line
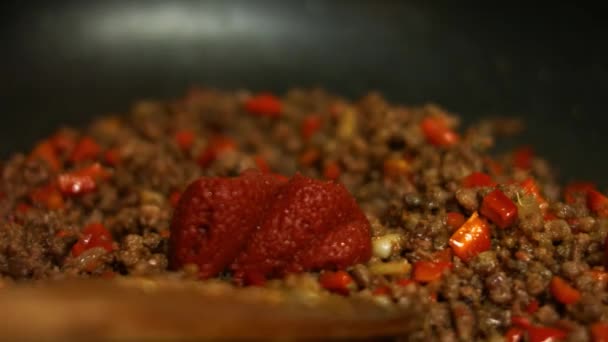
point(64, 62)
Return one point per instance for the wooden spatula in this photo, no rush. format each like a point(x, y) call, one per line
point(144, 308)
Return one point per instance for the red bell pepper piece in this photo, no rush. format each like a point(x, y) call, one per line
point(597, 203)
point(184, 139)
point(444, 255)
point(564, 292)
point(93, 235)
point(437, 132)
point(574, 189)
point(332, 170)
point(49, 196)
point(531, 188)
point(82, 181)
point(545, 334)
point(499, 208)
point(339, 282)
point(477, 179)
point(472, 238)
point(310, 125)
point(598, 275)
point(455, 220)
point(63, 142)
point(514, 334)
point(217, 145)
point(521, 321)
point(45, 151)
point(86, 149)
point(381, 291)
point(599, 332)
point(427, 271)
point(264, 104)
point(522, 157)
point(532, 307)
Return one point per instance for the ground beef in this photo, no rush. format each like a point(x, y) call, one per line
point(409, 186)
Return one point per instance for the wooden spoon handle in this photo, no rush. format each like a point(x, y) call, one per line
point(88, 309)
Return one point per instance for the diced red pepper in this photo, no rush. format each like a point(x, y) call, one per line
point(184, 139)
point(381, 291)
point(545, 334)
point(522, 256)
point(46, 152)
point(216, 146)
point(63, 142)
point(521, 321)
point(309, 157)
point(514, 335)
point(499, 208)
point(112, 156)
point(395, 167)
point(174, 198)
point(472, 238)
point(428, 271)
point(522, 157)
point(477, 179)
point(532, 307)
point(437, 132)
point(261, 164)
point(574, 189)
point(455, 220)
point(339, 282)
point(564, 292)
point(82, 181)
point(264, 104)
point(310, 125)
point(531, 188)
point(93, 235)
point(444, 255)
point(599, 275)
point(49, 196)
point(332, 170)
point(165, 234)
point(599, 332)
point(597, 203)
point(86, 149)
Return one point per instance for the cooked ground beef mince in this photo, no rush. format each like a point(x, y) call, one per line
point(362, 199)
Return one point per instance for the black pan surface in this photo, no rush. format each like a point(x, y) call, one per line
point(63, 62)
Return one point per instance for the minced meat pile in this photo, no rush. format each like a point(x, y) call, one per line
point(493, 246)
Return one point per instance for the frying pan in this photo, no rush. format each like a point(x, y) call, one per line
point(64, 62)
